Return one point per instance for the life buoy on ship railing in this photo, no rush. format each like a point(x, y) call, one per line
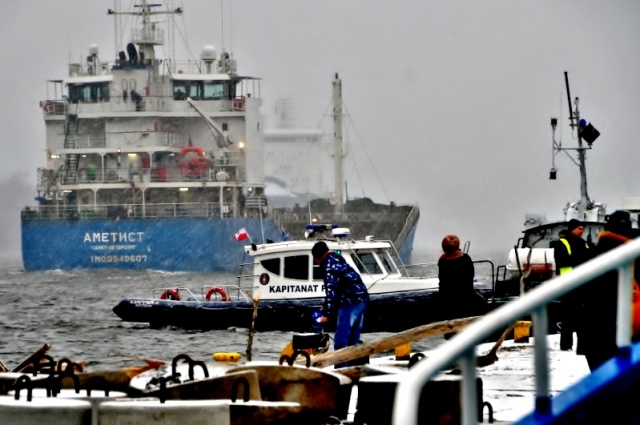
point(170, 294)
point(48, 107)
point(218, 290)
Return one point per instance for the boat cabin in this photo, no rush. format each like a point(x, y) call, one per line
point(286, 270)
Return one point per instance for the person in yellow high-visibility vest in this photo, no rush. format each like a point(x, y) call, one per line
point(569, 251)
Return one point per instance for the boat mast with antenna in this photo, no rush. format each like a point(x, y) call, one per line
point(588, 133)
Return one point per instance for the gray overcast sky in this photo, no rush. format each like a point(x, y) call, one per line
point(451, 98)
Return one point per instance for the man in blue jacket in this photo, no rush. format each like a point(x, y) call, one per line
point(346, 296)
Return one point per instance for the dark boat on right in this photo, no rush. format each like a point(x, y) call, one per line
point(531, 261)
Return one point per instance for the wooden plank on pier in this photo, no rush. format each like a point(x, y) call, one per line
point(390, 342)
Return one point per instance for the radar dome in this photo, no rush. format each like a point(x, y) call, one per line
point(93, 49)
point(208, 53)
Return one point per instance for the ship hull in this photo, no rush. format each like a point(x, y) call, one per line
point(191, 245)
point(195, 245)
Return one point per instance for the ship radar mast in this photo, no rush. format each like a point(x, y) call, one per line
point(585, 208)
point(149, 35)
point(337, 144)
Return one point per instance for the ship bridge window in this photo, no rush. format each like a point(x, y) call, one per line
point(366, 263)
point(89, 92)
point(271, 265)
point(213, 90)
point(297, 267)
point(195, 89)
point(203, 90)
point(179, 90)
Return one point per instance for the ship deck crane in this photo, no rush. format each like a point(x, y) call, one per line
point(222, 138)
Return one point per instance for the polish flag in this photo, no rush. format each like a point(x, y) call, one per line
point(241, 235)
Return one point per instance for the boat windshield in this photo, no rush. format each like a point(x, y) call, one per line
point(388, 262)
point(367, 262)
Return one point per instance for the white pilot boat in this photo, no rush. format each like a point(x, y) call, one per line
point(287, 288)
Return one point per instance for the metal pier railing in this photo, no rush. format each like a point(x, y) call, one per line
point(461, 348)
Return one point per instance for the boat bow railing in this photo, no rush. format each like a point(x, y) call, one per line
point(462, 348)
point(419, 270)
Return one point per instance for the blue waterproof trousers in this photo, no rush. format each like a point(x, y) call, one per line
point(349, 326)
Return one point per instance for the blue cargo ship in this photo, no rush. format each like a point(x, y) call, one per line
point(155, 163)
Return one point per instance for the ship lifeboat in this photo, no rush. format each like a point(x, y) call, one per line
point(194, 163)
point(189, 149)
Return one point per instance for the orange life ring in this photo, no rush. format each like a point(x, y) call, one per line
point(219, 290)
point(170, 294)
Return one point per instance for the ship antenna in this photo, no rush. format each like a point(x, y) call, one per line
point(585, 202)
point(337, 144)
point(584, 131)
point(118, 25)
point(222, 23)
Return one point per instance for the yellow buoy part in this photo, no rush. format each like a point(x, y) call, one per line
point(227, 357)
point(403, 351)
point(521, 331)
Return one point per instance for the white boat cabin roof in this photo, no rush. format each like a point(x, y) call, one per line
point(305, 246)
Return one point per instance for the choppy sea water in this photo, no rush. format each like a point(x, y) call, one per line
point(72, 311)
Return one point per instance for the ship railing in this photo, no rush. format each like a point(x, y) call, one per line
point(420, 270)
point(234, 293)
point(380, 226)
point(129, 211)
point(461, 349)
point(181, 290)
point(150, 35)
point(87, 141)
point(88, 174)
point(54, 107)
point(294, 214)
point(152, 103)
point(151, 139)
